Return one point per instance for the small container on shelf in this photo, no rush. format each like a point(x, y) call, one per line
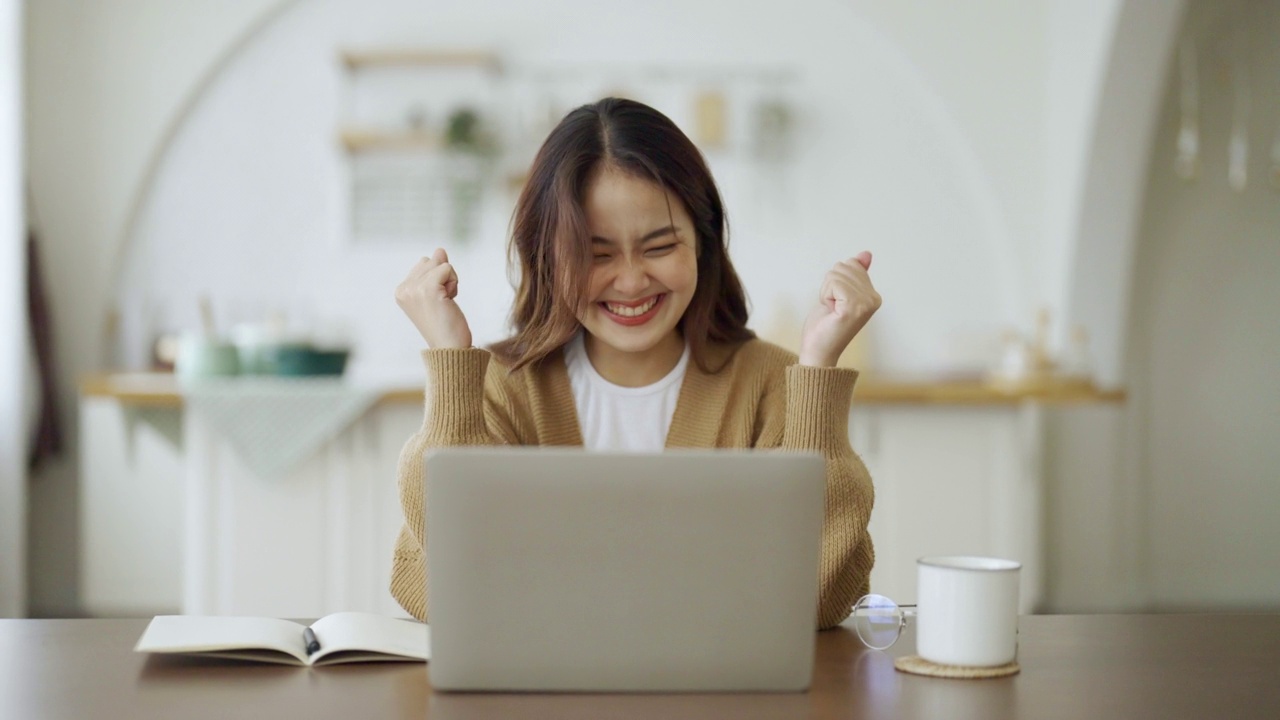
point(306, 360)
point(202, 356)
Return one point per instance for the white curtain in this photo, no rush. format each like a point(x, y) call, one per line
point(13, 323)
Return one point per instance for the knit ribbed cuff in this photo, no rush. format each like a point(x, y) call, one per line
point(455, 392)
point(818, 403)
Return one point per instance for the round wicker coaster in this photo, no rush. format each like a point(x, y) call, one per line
point(917, 665)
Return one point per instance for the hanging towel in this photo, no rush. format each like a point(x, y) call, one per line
point(276, 423)
point(47, 440)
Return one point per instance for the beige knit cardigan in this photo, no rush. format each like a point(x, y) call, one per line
point(759, 399)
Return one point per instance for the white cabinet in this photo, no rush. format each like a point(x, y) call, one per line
point(315, 541)
point(130, 509)
point(952, 481)
point(165, 530)
point(196, 532)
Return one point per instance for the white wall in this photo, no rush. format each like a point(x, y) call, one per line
point(13, 335)
point(1206, 339)
point(1118, 147)
point(1171, 504)
point(104, 79)
point(1081, 37)
point(986, 61)
point(1094, 501)
point(875, 144)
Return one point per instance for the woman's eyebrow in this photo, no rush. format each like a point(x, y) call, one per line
point(668, 230)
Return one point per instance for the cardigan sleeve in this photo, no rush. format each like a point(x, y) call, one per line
point(812, 414)
point(465, 404)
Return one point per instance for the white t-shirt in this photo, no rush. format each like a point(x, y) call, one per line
point(613, 417)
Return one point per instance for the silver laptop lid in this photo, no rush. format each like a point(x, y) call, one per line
point(558, 569)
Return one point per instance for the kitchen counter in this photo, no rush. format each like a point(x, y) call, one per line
point(163, 390)
point(193, 525)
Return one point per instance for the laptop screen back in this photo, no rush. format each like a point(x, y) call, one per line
point(558, 569)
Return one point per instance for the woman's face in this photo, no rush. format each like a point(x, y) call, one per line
point(644, 268)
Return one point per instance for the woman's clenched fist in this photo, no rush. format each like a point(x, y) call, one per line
point(846, 301)
point(427, 297)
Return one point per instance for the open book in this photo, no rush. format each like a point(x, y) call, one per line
point(338, 638)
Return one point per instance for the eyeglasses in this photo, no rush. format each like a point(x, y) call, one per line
point(879, 620)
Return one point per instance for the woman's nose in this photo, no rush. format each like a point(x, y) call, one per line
point(632, 278)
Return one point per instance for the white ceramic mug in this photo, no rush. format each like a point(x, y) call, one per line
point(967, 610)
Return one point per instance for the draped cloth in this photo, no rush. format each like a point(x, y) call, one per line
point(47, 440)
point(274, 424)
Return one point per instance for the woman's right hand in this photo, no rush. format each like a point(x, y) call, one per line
point(427, 297)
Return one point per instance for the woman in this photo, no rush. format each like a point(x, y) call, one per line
point(630, 334)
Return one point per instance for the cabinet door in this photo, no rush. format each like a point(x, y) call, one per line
point(130, 509)
point(951, 481)
point(317, 540)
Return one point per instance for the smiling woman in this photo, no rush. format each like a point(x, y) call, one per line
point(620, 239)
point(620, 208)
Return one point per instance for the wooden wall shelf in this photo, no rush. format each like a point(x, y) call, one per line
point(359, 59)
point(356, 141)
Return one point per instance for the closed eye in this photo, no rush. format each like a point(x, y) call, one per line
point(660, 250)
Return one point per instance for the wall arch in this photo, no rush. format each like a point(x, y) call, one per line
point(1095, 503)
point(235, 43)
point(1100, 273)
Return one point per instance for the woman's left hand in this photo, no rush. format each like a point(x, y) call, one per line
point(846, 302)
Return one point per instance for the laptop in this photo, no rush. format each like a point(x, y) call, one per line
point(556, 569)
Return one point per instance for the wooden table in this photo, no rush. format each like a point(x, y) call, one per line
point(1117, 666)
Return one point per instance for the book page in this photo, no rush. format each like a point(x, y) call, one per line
point(366, 637)
point(225, 637)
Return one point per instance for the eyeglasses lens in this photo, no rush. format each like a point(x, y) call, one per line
point(878, 621)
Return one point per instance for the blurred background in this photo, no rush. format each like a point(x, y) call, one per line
point(205, 207)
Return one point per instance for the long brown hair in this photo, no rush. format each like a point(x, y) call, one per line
point(551, 246)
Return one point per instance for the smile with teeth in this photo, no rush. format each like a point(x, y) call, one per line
point(632, 310)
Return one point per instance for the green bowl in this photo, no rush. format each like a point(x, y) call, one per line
point(304, 361)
